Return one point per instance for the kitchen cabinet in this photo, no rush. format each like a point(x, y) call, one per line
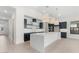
point(63, 35)
point(26, 36)
point(63, 25)
point(41, 25)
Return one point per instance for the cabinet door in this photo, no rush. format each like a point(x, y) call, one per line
point(63, 35)
point(41, 25)
point(29, 20)
point(25, 23)
point(63, 25)
point(27, 37)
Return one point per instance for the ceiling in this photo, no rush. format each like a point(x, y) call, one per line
point(56, 11)
point(52, 11)
point(6, 12)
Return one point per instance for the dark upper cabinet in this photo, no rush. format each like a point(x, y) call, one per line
point(63, 25)
point(25, 23)
point(33, 20)
point(41, 25)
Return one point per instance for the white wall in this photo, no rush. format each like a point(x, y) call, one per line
point(19, 25)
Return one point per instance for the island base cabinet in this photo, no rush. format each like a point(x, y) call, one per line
point(37, 42)
point(40, 41)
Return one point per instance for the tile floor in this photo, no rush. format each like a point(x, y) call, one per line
point(64, 46)
point(59, 46)
point(22, 48)
point(7, 47)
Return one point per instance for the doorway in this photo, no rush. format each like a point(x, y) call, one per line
point(4, 35)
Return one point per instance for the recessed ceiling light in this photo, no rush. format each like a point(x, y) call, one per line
point(56, 8)
point(3, 17)
point(5, 11)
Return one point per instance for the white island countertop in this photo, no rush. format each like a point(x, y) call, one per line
point(40, 41)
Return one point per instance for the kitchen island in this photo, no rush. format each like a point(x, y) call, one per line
point(40, 41)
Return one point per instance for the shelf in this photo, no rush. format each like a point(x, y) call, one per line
point(28, 24)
